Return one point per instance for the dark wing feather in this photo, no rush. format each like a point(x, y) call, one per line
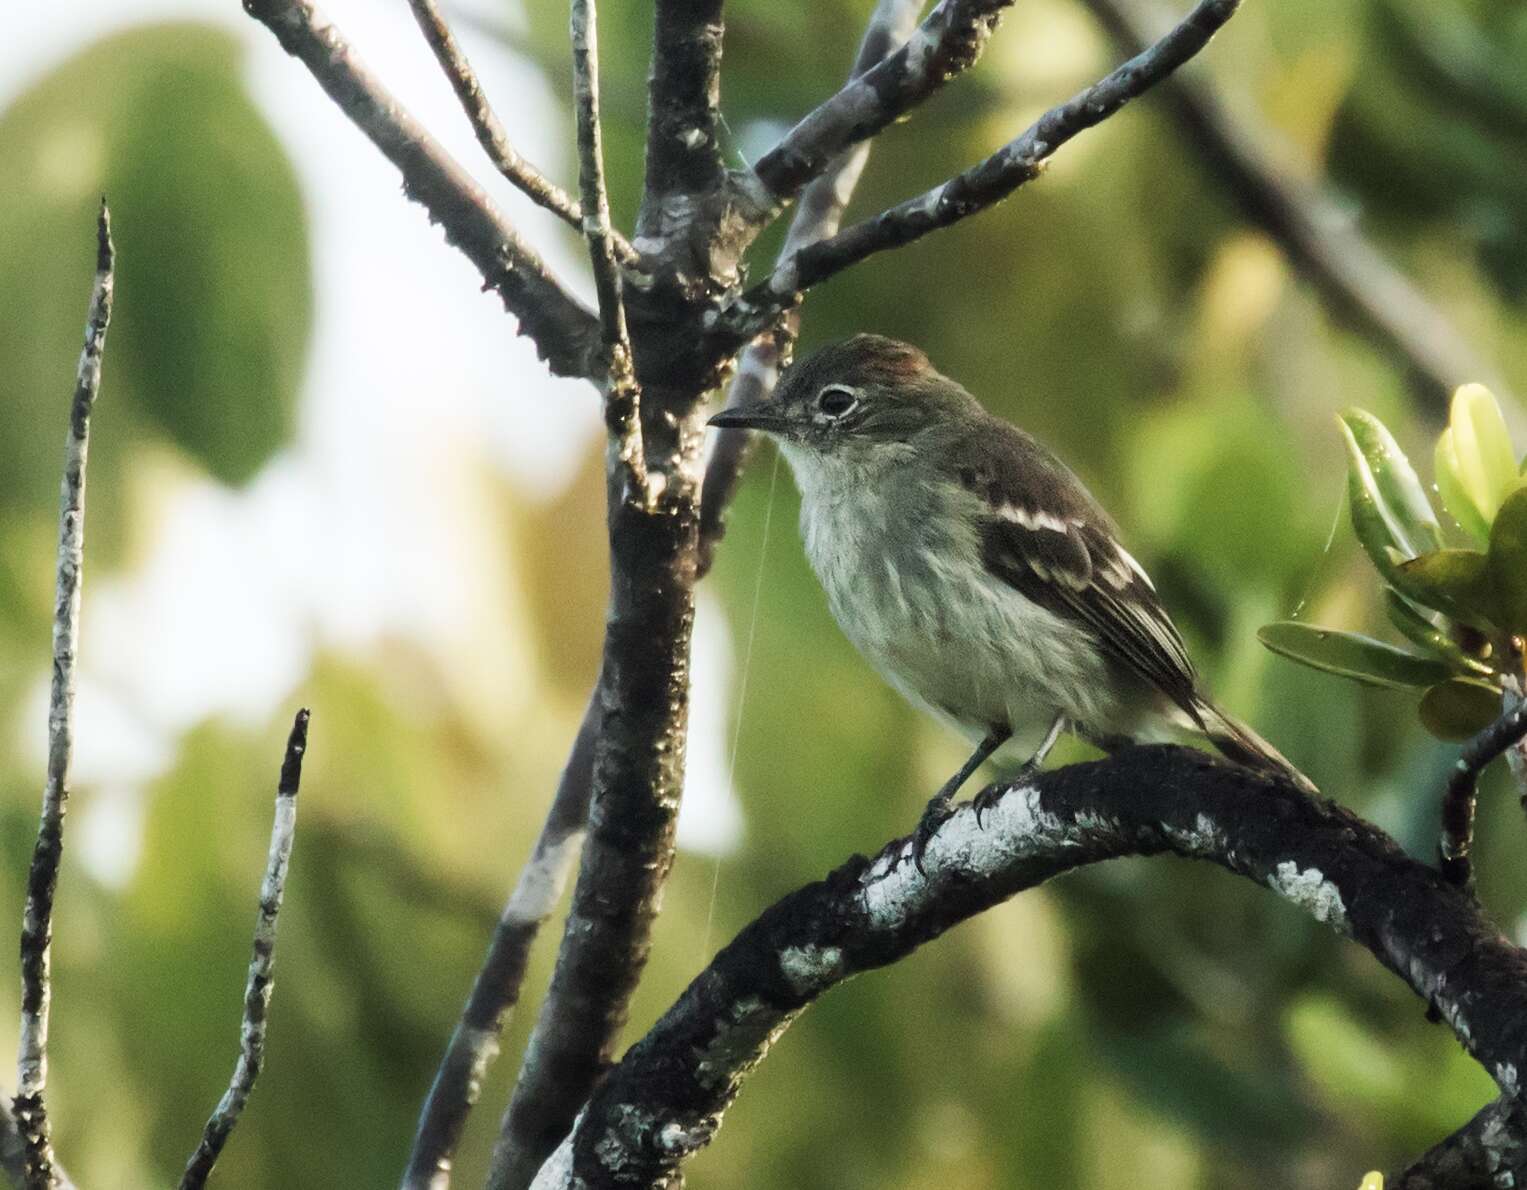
point(1043, 533)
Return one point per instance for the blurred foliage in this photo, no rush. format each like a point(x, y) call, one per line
point(1144, 1024)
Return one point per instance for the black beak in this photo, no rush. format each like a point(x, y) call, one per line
point(759, 415)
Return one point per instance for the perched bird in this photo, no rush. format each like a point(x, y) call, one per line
point(973, 569)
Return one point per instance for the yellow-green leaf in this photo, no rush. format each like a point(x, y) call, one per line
point(1508, 562)
point(1419, 628)
point(1390, 511)
point(1350, 655)
point(1456, 582)
point(1459, 708)
point(1476, 466)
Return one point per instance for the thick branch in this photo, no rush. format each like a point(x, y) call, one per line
point(665, 1099)
point(474, 1043)
point(564, 331)
point(261, 965)
point(490, 131)
point(1321, 238)
point(984, 184)
point(1490, 1150)
point(683, 106)
point(946, 44)
point(622, 394)
point(42, 880)
point(817, 217)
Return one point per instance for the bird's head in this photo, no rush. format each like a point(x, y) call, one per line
point(855, 400)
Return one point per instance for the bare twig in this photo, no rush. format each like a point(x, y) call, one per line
point(943, 46)
point(984, 184)
point(257, 991)
point(13, 1153)
point(683, 106)
point(623, 411)
point(817, 217)
point(1321, 238)
point(1462, 786)
point(474, 1042)
point(42, 880)
point(665, 1099)
point(564, 331)
point(490, 131)
point(1490, 1150)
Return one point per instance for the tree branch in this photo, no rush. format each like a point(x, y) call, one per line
point(564, 331)
point(474, 1042)
point(261, 965)
point(1319, 236)
point(490, 131)
point(42, 880)
point(683, 107)
point(817, 217)
point(984, 184)
point(1458, 800)
point(945, 45)
point(13, 1153)
point(1490, 1150)
point(623, 412)
point(665, 1099)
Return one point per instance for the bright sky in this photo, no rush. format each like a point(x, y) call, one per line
point(376, 459)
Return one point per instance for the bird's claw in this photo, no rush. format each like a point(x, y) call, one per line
point(992, 794)
point(935, 814)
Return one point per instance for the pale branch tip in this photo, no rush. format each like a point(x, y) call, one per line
point(1463, 783)
point(30, 1105)
point(945, 45)
point(258, 988)
point(666, 1097)
point(564, 331)
point(982, 185)
point(817, 216)
point(495, 992)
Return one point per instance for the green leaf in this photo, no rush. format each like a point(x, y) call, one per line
point(1418, 627)
point(1456, 582)
point(1460, 708)
point(1476, 466)
point(1360, 658)
point(1508, 562)
point(1390, 512)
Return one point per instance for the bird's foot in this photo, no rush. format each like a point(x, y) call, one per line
point(935, 814)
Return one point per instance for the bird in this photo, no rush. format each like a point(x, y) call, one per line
point(975, 571)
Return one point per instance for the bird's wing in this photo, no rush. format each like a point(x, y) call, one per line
point(1042, 533)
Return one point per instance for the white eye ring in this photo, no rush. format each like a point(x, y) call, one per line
point(836, 400)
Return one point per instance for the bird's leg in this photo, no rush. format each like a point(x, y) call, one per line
point(938, 806)
point(983, 801)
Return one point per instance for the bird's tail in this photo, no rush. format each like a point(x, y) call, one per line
point(1244, 746)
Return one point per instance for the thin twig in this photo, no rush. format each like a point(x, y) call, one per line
point(13, 1153)
point(983, 185)
point(257, 991)
point(1321, 238)
point(490, 131)
point(817, 217)
point(42, 880)
point(665, 1099)
point(622, 394)
point(945, 45)
point(565, 332)
point(474, 1042)
point(1462, 788)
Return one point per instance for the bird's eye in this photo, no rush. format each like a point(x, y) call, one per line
point(835, 400)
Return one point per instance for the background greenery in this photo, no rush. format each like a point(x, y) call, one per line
point(1145, 1024)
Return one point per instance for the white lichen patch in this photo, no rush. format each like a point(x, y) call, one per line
point(1312, 892)
point(811, 969)
point(1506, 1078)
point(1204, 837)
point(542, 880)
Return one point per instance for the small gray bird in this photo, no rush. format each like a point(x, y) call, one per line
point(973, 569)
